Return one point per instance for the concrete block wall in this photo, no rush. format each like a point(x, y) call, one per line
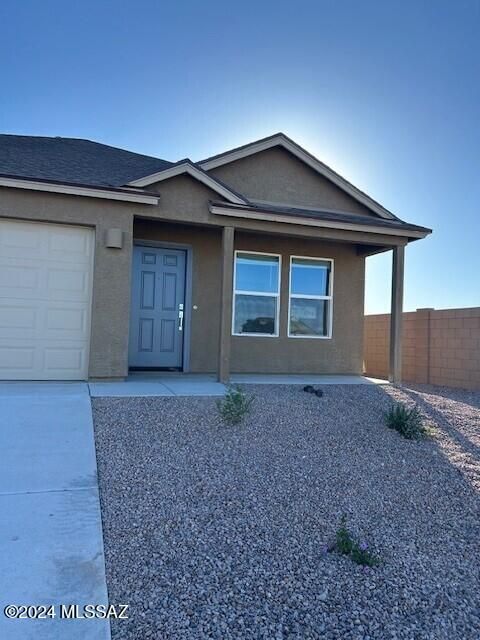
point(439, 347)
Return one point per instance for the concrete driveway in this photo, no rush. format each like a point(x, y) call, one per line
point(51, 545)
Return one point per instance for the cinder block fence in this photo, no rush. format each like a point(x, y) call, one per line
point(439, 347)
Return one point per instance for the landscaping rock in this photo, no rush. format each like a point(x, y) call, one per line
point(223, 533)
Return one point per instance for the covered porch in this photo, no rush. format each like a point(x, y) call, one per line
point(210, 347)
point(398, 268)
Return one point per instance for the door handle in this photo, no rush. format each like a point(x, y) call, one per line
point(180, 317)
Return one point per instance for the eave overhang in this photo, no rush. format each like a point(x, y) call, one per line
point(321, 219)
point(106, 193)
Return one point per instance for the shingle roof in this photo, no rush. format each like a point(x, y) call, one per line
point(73, 160)
point(92, 164)
point(324, 214)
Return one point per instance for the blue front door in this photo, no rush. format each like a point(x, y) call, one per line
point(158, 302)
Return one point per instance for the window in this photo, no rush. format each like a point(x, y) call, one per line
point(256, 294)
point(310, 304)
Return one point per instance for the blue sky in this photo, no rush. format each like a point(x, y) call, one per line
point(385, 92)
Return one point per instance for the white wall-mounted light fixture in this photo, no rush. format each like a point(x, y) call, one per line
point(114, 239)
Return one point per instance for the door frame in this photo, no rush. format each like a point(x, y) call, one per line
point(158, 244)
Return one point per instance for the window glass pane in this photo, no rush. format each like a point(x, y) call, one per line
point(309, 317)
point(310, 277)
point(255, 314)
point(256, 273)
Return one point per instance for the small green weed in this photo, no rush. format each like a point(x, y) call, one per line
point(408, 422)
point(234, 406)
point(347, 545)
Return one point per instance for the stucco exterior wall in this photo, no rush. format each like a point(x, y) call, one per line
point(340, 354)
point(185, 201)
point(111, 279)
point(276, 175)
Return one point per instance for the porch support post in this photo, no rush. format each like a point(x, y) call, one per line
point(395, 371)
point(226, 305)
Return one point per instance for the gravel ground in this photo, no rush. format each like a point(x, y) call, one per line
point(220, 532)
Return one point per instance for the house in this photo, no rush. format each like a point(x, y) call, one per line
point(251, 261)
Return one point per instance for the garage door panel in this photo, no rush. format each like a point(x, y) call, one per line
point(18, 278)
point(15, 358)
point(45, 301)
point(21, 362)
point(23, 236)
point(72, 281)
point(67, 247)
point(36, 363)
point(66, 320)
point(68, 359)
point(43, 320)
point(17, 318)
point(30, 283)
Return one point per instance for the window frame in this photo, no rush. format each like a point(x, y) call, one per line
point(329, 298)
point(257, 293)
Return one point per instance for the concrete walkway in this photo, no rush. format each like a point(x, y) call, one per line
point(138, 385)
point(315, 379)
point(51, 545)
point(194, 384)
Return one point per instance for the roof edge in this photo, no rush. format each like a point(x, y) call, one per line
point(69, 188)
point(331, 220)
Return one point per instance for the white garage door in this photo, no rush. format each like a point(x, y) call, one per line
point(46, 275)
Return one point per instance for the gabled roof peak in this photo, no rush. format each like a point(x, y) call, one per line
point(282, 140)
point(195, 171)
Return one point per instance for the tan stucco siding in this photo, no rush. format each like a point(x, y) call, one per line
point(111, 281)
point(276, 175)
point(185, 200)
point(341, 354)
